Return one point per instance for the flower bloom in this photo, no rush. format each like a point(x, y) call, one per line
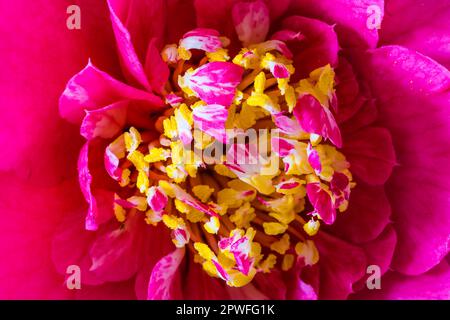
point(180, 204)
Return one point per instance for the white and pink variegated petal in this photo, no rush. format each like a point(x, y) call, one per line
point(156, 199)
point(180, 237)
point(184, 128)
point(288, 184)
point(173, 100)
point(287, 36)
point(186, 198)
point(105, 122)
point(282, 146)
point(322, 202)
point(279, 70)
point(163, 276)
point(286, 124)
point(113, 153)
point(277, 45)
point(314, 159)
point(215, 82)
point(211, 120)
point(315, 118)
point(251, 21)
point(202, 39)
point(85, 180)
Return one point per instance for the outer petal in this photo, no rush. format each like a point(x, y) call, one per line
point(371, 154)
point(319, 47)
point(422, 27)
point(435, 285)
point(369, 210)
point(105, 122)
point(91, 89)
point(414, 104)
point(355, 21)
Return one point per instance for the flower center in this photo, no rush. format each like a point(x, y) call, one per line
point(244, 169)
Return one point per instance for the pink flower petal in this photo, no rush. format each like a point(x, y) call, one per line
point(202, 39)
point(320, 46)
point(215, 82)
point(92, 89)
point(369, 209)
point(211, 120)
point(164, 274)
point(251, 20)
point(287, 35)
point(322, 202)
point(157, 199)
point(351, 18)
point(371, 154)
point(314, 118)
point(156, 69)
point(422, 27)
point(314, 159)
point(105, 122)
point(85, 179)
point(415, 89)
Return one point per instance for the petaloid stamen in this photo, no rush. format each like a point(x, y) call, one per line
point(236, 218)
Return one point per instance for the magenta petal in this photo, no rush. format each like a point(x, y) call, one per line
point(85, 179)
point(91, 89)
point(211, 120)
point(156, 69)
point(356, 21)
point(319, 47)
point(322, 202)
point(369, 209)
point(314, 118)
point(164, 273)
point(215, 82)
point(422, 27)
point(251, 20)
point(371, 154)
point(433, 285)
point(341, 264)
point(105, 122)
point(415, 89)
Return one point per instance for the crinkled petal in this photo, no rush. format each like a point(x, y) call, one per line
point(413, 100)
point(356, 20)
point(371, 154)
point(92, 89)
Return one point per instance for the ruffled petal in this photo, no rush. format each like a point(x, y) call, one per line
point(356, 20)
point(413, 100)
point(371, 154)
point(91, 89)
point(368, 209)
point(319, 47)
point(422, 27)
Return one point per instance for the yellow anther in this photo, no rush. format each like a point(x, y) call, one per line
point(282, 245)
point(288, 262)
point(311, 227)
point(212, 226)
point(125, 178)
point(268, 263)
point(308, 251)
point(151, 217)
point(204, 251)
point(156, 155)
point(170, 127)
point(243, 216)
point(274, 228)
point(172, 222)
point(142, 182)
point(137, 159)
point(139, 202)
point(119, 212)
point(183, 53)
point(224, 171)
point(132, 139)
point(218, 55)
point(203, 192)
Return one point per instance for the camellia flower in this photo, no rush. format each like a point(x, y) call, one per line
point(235, 150)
